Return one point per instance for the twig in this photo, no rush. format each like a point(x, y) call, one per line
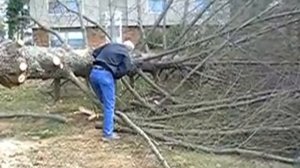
point(140, 24)
point(33, 115)
point(236, 15)
point(84, 34)
point(136, 95)
point(87, 19)
point(57, 88)
point(223, 132)
point(83, 87)
point(147, 79)
point(200, 64)
point(224, 151)
point(216, 107)
point(194, 21)
point(210, 16)
point(157, 22)
point(227, 100)
point(197, 42)
point(213, 78)
point(146, 137)
point(264, 31)
point(154, 125)
point(44, 27)
point(249, 62)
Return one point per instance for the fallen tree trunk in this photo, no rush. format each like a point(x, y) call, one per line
point(19, 63)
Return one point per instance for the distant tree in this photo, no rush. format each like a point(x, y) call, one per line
point(14, 9)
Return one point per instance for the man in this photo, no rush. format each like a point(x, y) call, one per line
point(112, 62)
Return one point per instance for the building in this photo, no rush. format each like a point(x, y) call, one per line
point(127, 12)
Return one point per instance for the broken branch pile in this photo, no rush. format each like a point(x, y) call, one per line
point(232, 89)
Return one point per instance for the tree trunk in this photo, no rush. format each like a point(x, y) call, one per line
point(19, 63)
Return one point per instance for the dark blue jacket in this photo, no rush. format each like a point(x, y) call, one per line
point(114, 57)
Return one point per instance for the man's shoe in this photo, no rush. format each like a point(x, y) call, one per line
point(110, 138)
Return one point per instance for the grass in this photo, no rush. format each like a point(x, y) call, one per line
point(190, 159)
point(28, 98)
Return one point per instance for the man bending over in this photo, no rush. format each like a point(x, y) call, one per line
point(112, 62)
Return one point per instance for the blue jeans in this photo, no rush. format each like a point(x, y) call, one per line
point(103, 84)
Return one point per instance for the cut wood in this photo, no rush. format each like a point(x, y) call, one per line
point(23, 66)
point(56, 61)
point(92, 115)
point(22, 78)
point(48, 63)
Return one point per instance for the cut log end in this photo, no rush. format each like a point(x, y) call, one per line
point(56, 61)
point(22, 78)
point(23, 66)
point(20, 43)
point(61, 66)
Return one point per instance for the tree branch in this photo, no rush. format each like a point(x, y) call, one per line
point(87, 19)
point(157, 22)
point(34, 115)
point(146, 137)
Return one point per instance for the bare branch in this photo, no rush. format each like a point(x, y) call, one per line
point(194, 21)
point(217, 50)
point(157, 22)
point(33, 115)
point(85, 40)
point(87, 19)
point(145, 136)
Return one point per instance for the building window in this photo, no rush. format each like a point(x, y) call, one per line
point(72, 38)
point(156, 6)
point(54, 7)
point(75, 39)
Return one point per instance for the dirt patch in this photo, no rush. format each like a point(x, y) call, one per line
point(13, 153)
point(76, 151)
point(5, 127)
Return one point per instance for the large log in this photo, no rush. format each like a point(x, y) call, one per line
point(18, 63)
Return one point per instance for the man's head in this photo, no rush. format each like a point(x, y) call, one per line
point(129, 45)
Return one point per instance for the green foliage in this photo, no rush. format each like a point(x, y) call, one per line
point(13, 10)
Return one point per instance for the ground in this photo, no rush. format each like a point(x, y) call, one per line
point(79, 150)
point(32, 143)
